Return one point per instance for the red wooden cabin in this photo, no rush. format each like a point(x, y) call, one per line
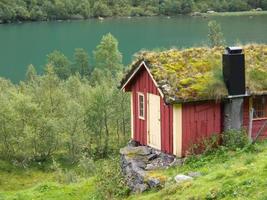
point(173, 119)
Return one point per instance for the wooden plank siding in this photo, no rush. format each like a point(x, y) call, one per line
point(142, 82)
point(256, 123)
point(199, 121)
point(166, 127)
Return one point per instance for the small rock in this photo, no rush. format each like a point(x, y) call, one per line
point(153, 182)
point(182, 178)
point(210, 11)
point(258, 9)
point(152, 157)
point(194, 174)
point(139, 188)
point(177, 162)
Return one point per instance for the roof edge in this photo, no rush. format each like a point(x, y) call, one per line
point(134, 71)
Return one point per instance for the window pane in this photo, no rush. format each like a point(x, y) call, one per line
point(260, 107)
point(141, 106)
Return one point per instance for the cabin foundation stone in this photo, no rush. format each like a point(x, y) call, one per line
point(138, 164)
point(233, 114)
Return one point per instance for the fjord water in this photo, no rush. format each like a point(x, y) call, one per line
point(29, 43)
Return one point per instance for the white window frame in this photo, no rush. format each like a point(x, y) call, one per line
point(264, 99)
point(139, 108)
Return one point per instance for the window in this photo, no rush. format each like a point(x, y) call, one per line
point(260, 107)
point(141, 105)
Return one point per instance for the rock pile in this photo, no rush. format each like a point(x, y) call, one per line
point(137, 163)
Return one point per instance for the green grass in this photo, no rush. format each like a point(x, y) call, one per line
point(52, 190)
point(240, 174)
point(225, 175)
point(37, 184)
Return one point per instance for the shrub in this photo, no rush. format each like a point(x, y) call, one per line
point(205, 145)
point(64, 176)
point(110, 183)
point(235, 139)
point(86, 166)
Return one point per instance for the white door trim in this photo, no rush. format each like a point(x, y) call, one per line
point(177, 130)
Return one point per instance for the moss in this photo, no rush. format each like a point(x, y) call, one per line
point(156, 175)
point(196, 73)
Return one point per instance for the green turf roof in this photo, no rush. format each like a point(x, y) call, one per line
point(196, 74)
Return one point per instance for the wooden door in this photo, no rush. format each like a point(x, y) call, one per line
point(154, 127)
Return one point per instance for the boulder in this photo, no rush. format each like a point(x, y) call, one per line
point(141, 150)
point(138, 163)
point(180, 178)
point(258, 9)
point(139, 172)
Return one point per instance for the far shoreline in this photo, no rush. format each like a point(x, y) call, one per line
point(238, 13)
point(194, 14)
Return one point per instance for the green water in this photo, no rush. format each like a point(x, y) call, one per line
point(29, 43)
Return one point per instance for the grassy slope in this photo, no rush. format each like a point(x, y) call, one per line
point(34, 184)
point(226, 175)
point(46, 190)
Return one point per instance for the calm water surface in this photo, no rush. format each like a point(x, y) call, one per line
point(29, 43)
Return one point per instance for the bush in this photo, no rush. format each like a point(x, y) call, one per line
point(110, 183)
point(64, 176)
point(234, 139)
point(86, 166)
point(205, 145)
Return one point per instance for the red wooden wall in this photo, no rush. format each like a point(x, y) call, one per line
point(166, 127)
point(199, 120)
point(142, 82)
point(256, 123)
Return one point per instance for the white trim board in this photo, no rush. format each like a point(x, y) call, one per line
point(136, 70)
point(177, 130)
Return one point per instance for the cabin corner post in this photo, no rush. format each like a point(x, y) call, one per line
point(233, 114)
point(177, 130)
point(250, 123)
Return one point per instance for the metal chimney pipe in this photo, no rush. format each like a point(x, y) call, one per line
point(234, 70)
point(234, 77)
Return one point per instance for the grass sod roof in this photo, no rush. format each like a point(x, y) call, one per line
point(195, 74)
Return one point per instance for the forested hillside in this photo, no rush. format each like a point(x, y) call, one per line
point(70, 110)
point(37, 10)
point(65, 126)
